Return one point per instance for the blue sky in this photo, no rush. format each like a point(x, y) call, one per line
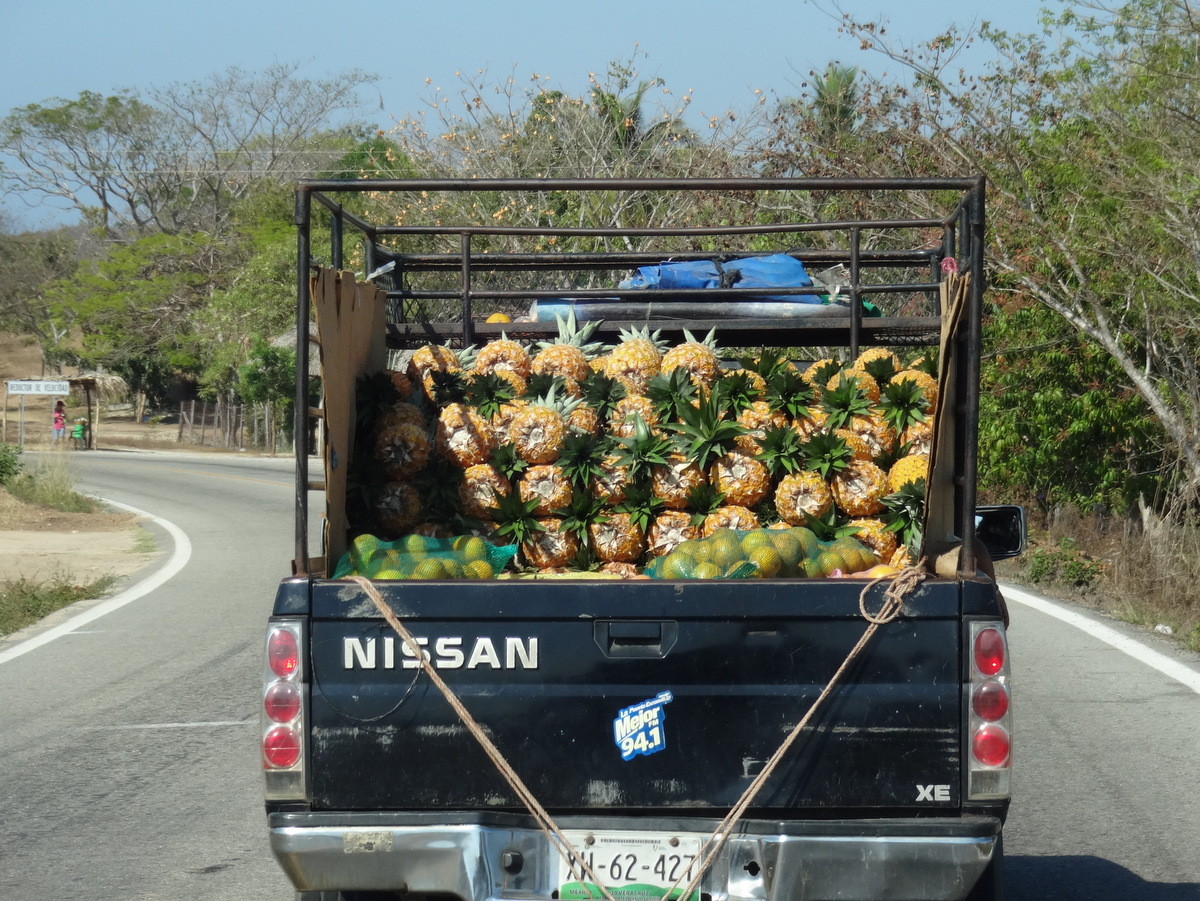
point(722, 51)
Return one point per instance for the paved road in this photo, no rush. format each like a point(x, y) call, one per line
point(129, 746)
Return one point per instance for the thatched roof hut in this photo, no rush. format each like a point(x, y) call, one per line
point(102, 386)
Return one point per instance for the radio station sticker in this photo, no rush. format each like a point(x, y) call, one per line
point(642, 728)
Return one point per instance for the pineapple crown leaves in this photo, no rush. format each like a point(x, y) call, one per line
point(641, 505)
point(583, 510)
point(903, 403)
point(881, 369)
point(830, 526)
point(768, 363)
point(843, 402)
point(709, 340)
point(541, 383)
point(581, 458)
point(704, 432)
point(704, 500)
point(466, 356)
point(488, 392)
point(640, 452)
point(736, 392)
point(783, 451)
point(906, 514)
point(508, 462)
point(575, 335)
point(373, 394)
point(788, 393)
point(448, 388)
point(643, 333)
point(437, 484)
point(826, 370)
point(927, 363)
point(516, 520)
point(827, 454)
point(557, 399)
point(602, 393)
point(670, 393)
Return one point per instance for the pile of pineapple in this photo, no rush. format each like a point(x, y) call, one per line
point(605, 458)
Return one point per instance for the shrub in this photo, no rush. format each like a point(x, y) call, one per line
point(10, 463)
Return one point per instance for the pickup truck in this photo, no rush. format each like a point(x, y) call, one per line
point(637, 712)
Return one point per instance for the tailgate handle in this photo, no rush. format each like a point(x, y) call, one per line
point(634, 638)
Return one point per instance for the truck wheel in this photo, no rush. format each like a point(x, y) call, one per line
point(990, 886)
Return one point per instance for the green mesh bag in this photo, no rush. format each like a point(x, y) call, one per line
point(419, 557)
point(761, 554)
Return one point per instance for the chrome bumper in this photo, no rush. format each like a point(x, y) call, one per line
point(487, 860)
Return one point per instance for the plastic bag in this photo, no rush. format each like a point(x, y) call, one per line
point(419, 557)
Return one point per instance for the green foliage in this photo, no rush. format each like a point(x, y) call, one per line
point(10, 463)
point(51, 484)
point(24, 601)
point(270, 374)
point(1064, 563)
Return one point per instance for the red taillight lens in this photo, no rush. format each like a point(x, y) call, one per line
point(990, 701)
point(282, 701)
point(991, 745)
point(989, 652)
point(283, 654)
point(281, 746)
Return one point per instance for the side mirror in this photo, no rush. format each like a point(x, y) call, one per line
point(1001, 529)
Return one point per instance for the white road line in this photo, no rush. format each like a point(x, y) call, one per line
point(179, 559)
point(1135, 649)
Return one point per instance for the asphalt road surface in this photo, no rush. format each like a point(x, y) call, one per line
point(129, 758)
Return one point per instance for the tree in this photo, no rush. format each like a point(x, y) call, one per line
point(177, 159)
point(1088, 146)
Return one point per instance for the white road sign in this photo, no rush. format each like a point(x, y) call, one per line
point(38, 386)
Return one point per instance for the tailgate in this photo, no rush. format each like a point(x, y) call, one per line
point(634, 695)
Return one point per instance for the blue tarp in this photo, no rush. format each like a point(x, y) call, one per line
point(776, 271)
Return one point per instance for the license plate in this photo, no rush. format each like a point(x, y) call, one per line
point(634, 866)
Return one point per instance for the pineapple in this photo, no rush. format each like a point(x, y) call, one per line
point(636, 359)
point(697, 357)
point(602, 393)
point(463, 436)
point(482, 485)
point(874, 356)
point(743, 479)
point(674, 479)
point(738, 391)
point(810, 424)
point(539, 429)
point(790, 395)
point(876, 432)
point(842, 402)
point(756, 419)
point(906, 516)
point(567, 356)
point(628, 412)
point(670, 529)
point(819, 373)
point(617, 539)
point(551, 547)
point(802, 495)
point(430, 359)
point(585, 421)
point(489, 392)
point(902, 403)
point(859, 488)
point(402, 448)
point(397, 508)
point(876, 535)
point(640, 452)
point(548, 485)
point(704, 431)
point(580, 459)
point(504, 355)
point(907, 469)
point(610, 482)
point(918, 438)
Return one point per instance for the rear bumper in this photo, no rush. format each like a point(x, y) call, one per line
point(935, 859)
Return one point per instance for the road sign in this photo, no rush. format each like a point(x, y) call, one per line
point(38, 386)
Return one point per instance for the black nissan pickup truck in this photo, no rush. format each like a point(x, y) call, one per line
point(637, 712)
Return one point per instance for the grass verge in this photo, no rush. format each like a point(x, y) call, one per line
point(51, 484)
point(1143, 571)
point(24, 601)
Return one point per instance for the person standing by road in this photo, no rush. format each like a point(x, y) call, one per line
point(60, 421)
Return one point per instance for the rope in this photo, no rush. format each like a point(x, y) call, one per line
point(901, 586)
point(541, 817)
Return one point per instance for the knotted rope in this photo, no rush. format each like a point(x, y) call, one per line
point(901, 586)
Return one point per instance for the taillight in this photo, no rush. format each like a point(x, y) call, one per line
point(989, 714)
point(282, 714)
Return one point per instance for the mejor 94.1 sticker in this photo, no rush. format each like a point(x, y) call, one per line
point(642, 728)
